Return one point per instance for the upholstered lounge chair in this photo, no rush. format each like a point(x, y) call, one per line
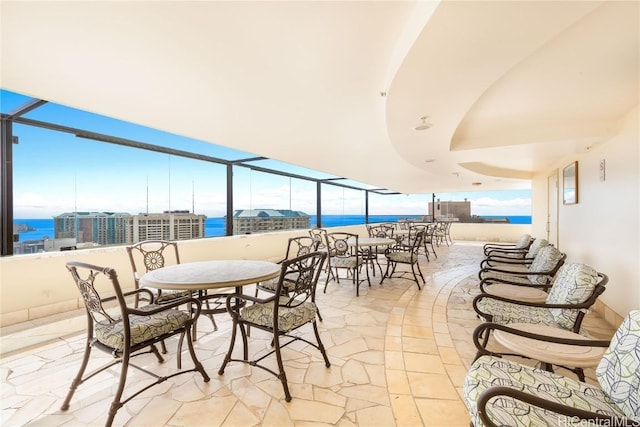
point(520, 260)
point(520, 246)
point(575, 289)
point(508, 280)
point(499, 392)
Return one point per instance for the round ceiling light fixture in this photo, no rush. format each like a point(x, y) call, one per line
point(424, 125)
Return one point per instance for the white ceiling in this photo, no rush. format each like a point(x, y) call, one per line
point(510, 87)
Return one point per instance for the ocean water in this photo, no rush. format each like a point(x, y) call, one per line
point(216, 226)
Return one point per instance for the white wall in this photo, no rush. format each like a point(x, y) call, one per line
point(38, 285)
point(603, 229)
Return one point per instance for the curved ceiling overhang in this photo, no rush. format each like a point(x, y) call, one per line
point(516, 86)
point(338, 86)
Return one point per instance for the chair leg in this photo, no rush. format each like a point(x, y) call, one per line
point(179, 354)
point(282, 376)
point(210, 316)
point(78, 379)
point(155, 351)
point(163, 347)
point(116, 403)
point(196, 362)
point(415, 278)
point(420, 272)
point(386, 273)
point(321, 346)
point(232, 342)
point(329, 274)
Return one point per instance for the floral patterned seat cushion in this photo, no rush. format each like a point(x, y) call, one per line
point(546, 260)
point(506, 312)
point(405, 257)
point(289, 318)
point(346, 262)
point(619, 370)
point(170, 294)
point(573, 284)
point(489, 371)
point(143, 328)
point(272, 284)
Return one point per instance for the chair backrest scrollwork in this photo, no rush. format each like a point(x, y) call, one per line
point(300, 274)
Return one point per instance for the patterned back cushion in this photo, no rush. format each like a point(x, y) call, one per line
point(536, 246)
point(619, 370)
point(573, 284)
point(547, 258)
point(523, 241)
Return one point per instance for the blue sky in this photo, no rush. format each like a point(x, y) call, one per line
point(56, 172)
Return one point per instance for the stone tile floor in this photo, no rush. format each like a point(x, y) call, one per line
point(399, 356)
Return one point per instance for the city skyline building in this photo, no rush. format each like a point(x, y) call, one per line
point(246, 221)
point(169, 225)
point(103, 228)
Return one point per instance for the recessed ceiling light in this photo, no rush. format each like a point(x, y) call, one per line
point(424, 125)
point(430, 160)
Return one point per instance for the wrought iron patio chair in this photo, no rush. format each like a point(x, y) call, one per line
point(296, 246)
point(499, 392)
point(280, 315)
point(130, 333)
point(320, 234)
point(441, 233)
point(345, 254)
point(407, 254)
point(384, 231)
point(154, 254)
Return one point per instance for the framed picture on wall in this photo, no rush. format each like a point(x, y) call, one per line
point(570, 184)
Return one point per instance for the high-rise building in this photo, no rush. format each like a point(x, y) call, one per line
point(169, 225)
point(247, 221)
point(103, 228)
point(452, 210)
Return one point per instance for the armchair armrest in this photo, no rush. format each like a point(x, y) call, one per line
point(515, 252)
point(495, 280)
point(240, 299)
point(398, 247)
point(508, 247)
point(484, 271)
point(136, 291)
point(572, 413)
point(486, 263)
point(129, 293)
point(483, 328)
point(584, 305)
point(173, 304)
